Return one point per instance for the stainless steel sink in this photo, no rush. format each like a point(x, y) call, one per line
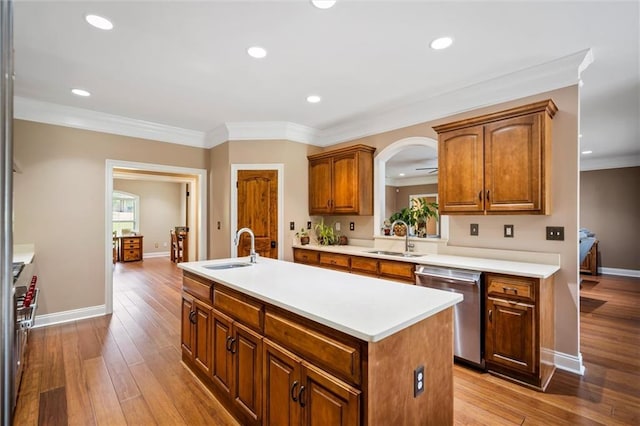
point(394, 253)
point(227, 265)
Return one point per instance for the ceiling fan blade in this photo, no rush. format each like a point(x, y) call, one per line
point(427, 168)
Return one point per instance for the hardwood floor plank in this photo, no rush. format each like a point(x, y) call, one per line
point(53, 408)
point(103, 396)
point(157, 396)
point(125, 368)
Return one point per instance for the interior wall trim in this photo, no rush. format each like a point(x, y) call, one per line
point(620, 272)
point(156, 254)
point(68, 316)
point(571, 363)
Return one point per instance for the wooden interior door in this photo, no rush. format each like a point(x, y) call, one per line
point(258, 210)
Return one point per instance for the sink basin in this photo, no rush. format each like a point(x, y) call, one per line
point(227, 265)
point(394, 253)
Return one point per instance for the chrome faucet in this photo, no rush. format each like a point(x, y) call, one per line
point(253, 256)
point(407, 246)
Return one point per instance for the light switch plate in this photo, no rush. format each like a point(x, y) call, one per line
point(474, 228)
point(292, 226)
point(555, 233)
point(508, 231)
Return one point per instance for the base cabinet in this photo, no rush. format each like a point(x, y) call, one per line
point(297, 392)
point(519, 328)
point(196, 332)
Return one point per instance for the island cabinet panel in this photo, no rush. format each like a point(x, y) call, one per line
point(497, 163)
point(335, 261)
point(399, 271)
point(341, 181)
point(299, 393)
point(364, 266)
point(196, 332)
point(519, 328)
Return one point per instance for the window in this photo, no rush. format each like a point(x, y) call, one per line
point(126, 212)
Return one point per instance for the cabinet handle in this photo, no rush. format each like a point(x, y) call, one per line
point(480, 196)
point(228, 343)
point(233, 347)
point(328, 204)
point(293, 391)
point(487, 195)
point(192, 317)
point(490, 315)
point(508, 289)
point(300, 394)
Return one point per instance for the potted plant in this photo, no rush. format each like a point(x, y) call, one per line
point(325, 233)
point(405, 216)
point(421, 212)
point(303, 235)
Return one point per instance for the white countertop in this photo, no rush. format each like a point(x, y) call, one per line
point(23, 253)
point(367, 308)
point(523, 269)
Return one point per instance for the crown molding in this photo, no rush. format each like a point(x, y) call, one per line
point(541, 78)
point(609, 162)
point(80, 118)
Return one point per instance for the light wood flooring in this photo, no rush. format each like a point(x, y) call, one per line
point(125, 368)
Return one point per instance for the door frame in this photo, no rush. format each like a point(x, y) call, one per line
point(200, 212)
point(233, 205)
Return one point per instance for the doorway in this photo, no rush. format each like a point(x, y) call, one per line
point(263, 188)
point(197, 208)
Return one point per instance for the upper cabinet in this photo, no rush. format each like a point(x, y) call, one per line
point(341, 181)
point(498, 163)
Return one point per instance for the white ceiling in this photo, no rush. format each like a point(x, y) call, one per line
point(183, 64)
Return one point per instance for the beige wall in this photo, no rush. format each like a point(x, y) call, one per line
point(160, 210)
point(402, 194)
point(609, 206)
point(59, 204)
point(294, 158)
point(529, 230)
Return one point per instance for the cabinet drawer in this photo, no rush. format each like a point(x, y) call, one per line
point(511, 287)
point(130, 255)
point(364, 264)
point(333, 260)
point(200, 289)
point(131, 241)
point(306, 256)
point(329, 353)
point(397, 270)
point(245, 311)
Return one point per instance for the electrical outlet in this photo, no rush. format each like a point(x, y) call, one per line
point(218, 224)
point(292, 226)
point(156, 245)
point(352, 226)
point(473, 229)
point(418, 381)
point(508, 231)
point(309, 225)
point(337, 226)
point(555, 233)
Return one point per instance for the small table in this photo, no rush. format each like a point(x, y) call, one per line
point(130, 248)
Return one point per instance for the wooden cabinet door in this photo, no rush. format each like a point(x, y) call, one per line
point(320, 185)
point(188, 327)
point(246, 349)
point(345, 184)
point(202, 342)
point(510, 339)
point(512, 164)
point(461, 171)
point(281, 386)
point(222, 363)
point(326, 400)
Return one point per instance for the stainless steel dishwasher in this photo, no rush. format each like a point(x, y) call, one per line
point(467, 318)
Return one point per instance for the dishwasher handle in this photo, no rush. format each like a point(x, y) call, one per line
point(449, 278)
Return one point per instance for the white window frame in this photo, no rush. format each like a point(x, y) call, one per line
point(136, 212)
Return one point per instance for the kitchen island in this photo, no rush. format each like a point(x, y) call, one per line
point(285, 343)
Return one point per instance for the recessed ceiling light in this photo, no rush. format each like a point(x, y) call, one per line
point(80, 92)
point(257, 52)
point(587, 152)
point(441, 43)
point(323, 4)
point(401, 174)
point(313, 99)
point(99, 22)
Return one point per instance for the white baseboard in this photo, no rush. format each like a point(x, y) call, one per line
point(621, 272)
point(571, 363)
point(156, 254)
point(68, 316)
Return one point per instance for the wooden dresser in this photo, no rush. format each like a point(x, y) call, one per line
point(131, 248)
